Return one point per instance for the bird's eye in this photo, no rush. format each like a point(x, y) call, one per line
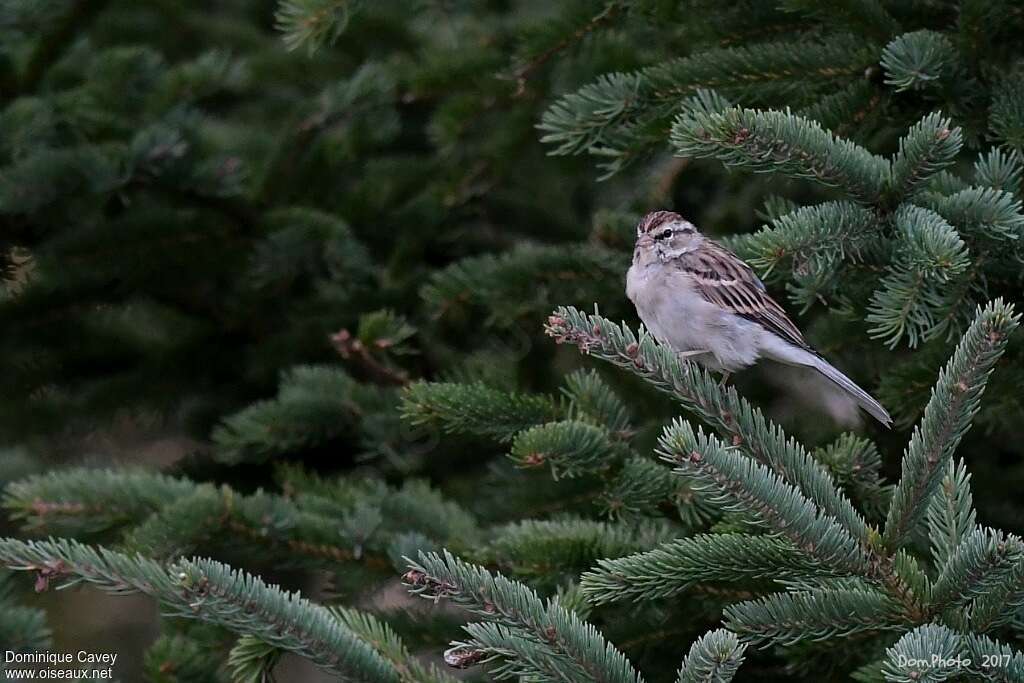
point(663, 234)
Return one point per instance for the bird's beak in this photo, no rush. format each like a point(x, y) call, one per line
point(644, 241)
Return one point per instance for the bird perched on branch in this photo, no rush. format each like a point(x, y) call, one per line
point(706, 303)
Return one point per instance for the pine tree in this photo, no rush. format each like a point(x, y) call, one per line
point(348, 247)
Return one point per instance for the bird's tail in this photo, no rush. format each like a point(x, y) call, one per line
point(863, 398)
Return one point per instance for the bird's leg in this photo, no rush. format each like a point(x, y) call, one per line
point(725, 378)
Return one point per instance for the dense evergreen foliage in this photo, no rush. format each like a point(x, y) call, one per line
point(350, 249)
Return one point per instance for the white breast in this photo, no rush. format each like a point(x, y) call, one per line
point(677, 315)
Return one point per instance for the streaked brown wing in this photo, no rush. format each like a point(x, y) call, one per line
point(723, 279)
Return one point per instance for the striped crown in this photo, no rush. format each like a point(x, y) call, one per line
point(655, 219)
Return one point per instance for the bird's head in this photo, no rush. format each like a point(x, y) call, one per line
point(664, 235)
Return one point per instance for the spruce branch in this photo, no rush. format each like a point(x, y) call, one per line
point(570, 448)
point(911, 578)
point(805, 480)
point(284, 255)
point(319, 523)
point(22, 629)
point(928, 244)
point(259, 522)
point(930, 146)
point(580, 121)
point(951, 515)
point(917, 60)
point(176, 516)
point(312, 23)
point(868, 17)
point(947, 417)
point(213, 72)
point(1000, 169)
point(812, 244)
point(386, 642)
point(767, 71)
point(48, 176)
point(992, 660)
point(51, 47)
point(983, 561)
point(413, 506)
point(365, 103)
point(642, 486)
point(59, 559)
point(509, 654)
point(1001, 603)
point(475, 409)
point(905, 305)
point(933, 653)
point(813, 241)
point(705, 101)
point(746, 486)
point(713, 658)
point(560, 34)
point(1006, 118)
point(856, 464)
point(380, 336)
point(252, 661)
point(638, 488)
point(542, 638)
point(185, 525)
point(845, 111)
point(244, 604)
point(784, 143)
point(744, 426)
point(673, 567)
point(193, 653)
point(980, 213)
point(913, 296)
point(548, 550)
point(790, 618)
point(314, 405)
point(620, 115)
point(86, 500)
point(522, 282)
point(591, 399)
point(903, 662)
point(211, 592)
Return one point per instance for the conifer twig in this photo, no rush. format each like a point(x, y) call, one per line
point(349, 346)
point(49, 48)
point(713, 658)
point(745, 485)
point(731, 415)
point(744, 426)
point(213, 592)
point(523, 72)
point(539, 638)
point(681, 564)
point(947, 417)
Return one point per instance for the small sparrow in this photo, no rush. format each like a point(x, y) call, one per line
point(706, 303)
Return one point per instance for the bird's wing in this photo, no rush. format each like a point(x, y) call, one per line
point(723, 279)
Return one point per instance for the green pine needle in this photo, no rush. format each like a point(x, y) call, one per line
point(947, 418)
